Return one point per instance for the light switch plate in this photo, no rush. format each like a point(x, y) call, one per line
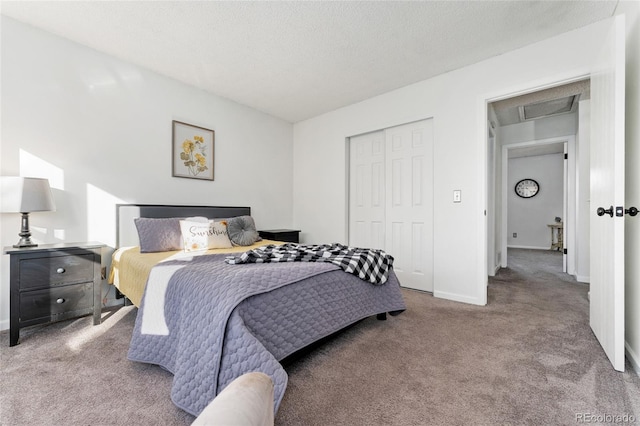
point(457, 196)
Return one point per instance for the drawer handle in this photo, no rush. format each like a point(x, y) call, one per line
point(60, 301)
point(60, 270)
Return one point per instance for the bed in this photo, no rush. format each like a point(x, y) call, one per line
point(207, 321)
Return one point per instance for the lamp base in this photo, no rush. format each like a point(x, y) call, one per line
point(25, 234)
point(26, 244)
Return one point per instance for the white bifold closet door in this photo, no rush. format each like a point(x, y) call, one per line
point(391, 198)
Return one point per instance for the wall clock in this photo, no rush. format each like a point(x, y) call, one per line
point(527, 188)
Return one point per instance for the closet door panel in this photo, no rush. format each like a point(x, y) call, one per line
point(394, 246)
point(391, 198)
point(409, 156)
point(367, 196)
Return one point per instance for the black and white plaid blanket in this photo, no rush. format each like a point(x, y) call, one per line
point(371, 265)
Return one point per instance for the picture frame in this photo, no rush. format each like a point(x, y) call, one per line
point(192, 151)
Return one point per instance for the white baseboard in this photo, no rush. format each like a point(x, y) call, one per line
point(495, 271)
point(457, 298)
point(4, 325)
point(583, 279)
point(633, 358)
point(529, 247)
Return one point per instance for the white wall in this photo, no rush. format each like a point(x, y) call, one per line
point(100, 130)
point(529, 217)
point(456, 102)
point(632, 185)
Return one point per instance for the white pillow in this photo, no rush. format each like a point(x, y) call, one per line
point(218, 235)
point(197, 236)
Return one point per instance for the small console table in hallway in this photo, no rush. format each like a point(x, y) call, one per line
point(556, 236)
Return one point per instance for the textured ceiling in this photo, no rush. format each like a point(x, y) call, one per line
point(296, 60)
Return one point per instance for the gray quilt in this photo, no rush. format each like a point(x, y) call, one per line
point(225, 320)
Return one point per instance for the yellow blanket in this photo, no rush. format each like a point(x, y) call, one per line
point(130, 268)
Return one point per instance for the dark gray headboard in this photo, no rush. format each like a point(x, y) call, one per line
point(127, 235)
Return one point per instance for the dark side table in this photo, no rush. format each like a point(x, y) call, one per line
point(286, 235)
point(53, 282)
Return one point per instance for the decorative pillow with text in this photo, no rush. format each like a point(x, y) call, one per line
point(197, 236)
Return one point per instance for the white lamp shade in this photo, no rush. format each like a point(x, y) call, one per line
point(25, 195)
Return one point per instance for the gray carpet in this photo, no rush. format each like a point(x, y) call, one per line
point(528, 357)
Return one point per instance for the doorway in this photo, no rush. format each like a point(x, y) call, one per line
point(545, 220)
point(544, 125)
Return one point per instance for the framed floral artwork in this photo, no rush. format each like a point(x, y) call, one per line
point(192, 151)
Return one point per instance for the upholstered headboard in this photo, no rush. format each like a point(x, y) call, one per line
point(127, 235)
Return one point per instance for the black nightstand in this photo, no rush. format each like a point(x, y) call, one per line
point(54, 282)
point(286, 235)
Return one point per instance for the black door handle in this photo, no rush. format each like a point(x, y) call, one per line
point(631, 211)
point(601, 211)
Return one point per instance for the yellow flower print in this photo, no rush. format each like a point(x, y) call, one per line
point(195, 162)
point(188, 146)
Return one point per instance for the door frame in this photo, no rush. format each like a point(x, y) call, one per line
point(483, 101)
point(568, 191)
point(492, 266)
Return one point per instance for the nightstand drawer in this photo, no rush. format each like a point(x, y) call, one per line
point(55, 270)
point(52, 302)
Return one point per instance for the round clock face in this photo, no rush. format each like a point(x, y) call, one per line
point(527, 188)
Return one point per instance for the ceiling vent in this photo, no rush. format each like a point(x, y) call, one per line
point(548, 108)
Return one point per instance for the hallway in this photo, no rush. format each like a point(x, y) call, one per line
point(540, 265)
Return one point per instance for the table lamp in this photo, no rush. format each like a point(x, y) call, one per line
point(25, 195)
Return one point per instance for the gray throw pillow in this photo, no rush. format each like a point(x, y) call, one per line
point(158, 234)
point(242, 230)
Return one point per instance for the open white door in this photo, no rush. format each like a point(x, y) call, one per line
point(607, 195)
